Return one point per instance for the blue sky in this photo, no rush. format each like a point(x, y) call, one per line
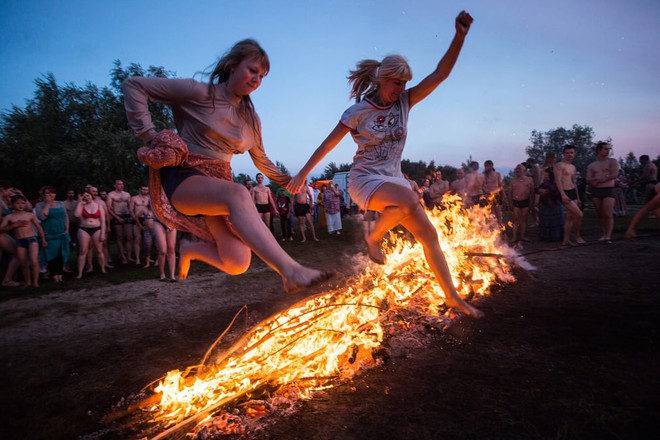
point(526, 65)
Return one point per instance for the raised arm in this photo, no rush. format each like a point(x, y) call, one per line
point(446, 64)
point(330, 142)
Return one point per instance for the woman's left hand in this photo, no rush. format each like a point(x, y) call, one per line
point(295, 184)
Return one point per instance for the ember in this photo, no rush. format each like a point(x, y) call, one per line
point(334, 335)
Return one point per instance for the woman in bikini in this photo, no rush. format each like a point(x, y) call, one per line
point(91, 230)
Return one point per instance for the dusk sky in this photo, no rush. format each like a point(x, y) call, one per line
point(526, 65)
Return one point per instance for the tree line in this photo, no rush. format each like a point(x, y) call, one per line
point(68, 135)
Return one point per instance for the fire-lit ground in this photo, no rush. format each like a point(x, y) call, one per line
point(570, 353)
point(336, 334)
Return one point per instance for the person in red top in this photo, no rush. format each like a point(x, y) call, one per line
point(92, 229)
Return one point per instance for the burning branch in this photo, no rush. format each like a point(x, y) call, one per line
point(321, 339)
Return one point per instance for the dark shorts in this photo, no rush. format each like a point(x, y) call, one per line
point(479, 200)
point(301, 209)
point(171, 178)
point(602, 193)
point(571, 194)
point(263, 208)
point(128, 220)
point(26, 242)
point(90, 231)
point(524, 203)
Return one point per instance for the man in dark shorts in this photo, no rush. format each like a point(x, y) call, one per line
point(601, 176)
point(565, 179)
point(302, 207)
point(263, 200)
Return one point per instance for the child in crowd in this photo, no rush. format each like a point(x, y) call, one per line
point(27, 243)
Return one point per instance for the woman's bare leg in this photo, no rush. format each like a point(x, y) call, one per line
point(228, 254)
point(214, 197)
point(83, 249)
point(394, 203)
point(98, 245)
point(170, 240)
point(418, 224)
point(652, 205)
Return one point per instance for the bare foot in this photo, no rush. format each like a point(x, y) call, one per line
point(305, 278)
point(629, 235)
point(316, 239)
point(184, 259)
point(460, 305)
point(375, 252)
point(10, 284)
point(79, 276)
point(580, 241)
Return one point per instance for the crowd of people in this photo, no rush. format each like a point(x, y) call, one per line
point(191, 189)
point(38, 236)
point(553, 194)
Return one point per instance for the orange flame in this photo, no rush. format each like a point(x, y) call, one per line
point(332, 335)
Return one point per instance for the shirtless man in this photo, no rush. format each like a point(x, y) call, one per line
point(302, 208)
point(438, 188)
point(459, 186)
point(493, 186)
point(565, 179)
point(536, 173)
point(521, 194)
point(474, 185)
point(601, 176)
point(121, 220)
point(139, 207)
point(27, 243)
point(263, 198)
point(649, 177)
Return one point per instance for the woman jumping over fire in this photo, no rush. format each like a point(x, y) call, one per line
point(190, 176)
point(378, 124)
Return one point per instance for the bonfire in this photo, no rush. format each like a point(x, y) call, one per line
point(332, 336)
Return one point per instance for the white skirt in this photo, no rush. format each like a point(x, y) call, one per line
point(362, 186)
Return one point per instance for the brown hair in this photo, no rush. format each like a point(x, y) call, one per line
point(244, 49)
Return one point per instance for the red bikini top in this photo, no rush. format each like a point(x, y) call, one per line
point(86, 214)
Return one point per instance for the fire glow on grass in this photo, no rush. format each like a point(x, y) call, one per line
point(332, 335)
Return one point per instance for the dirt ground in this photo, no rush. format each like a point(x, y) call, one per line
point(571, 350)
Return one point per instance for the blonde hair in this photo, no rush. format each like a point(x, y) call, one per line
point(244, 49)
point(365, 77)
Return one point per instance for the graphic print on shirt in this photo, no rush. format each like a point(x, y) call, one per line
point(392, 132)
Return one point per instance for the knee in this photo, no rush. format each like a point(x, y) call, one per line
point(238, 266)
point(410, 205)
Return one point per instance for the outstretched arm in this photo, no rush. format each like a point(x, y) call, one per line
point(295, 184)
point(446, 64)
